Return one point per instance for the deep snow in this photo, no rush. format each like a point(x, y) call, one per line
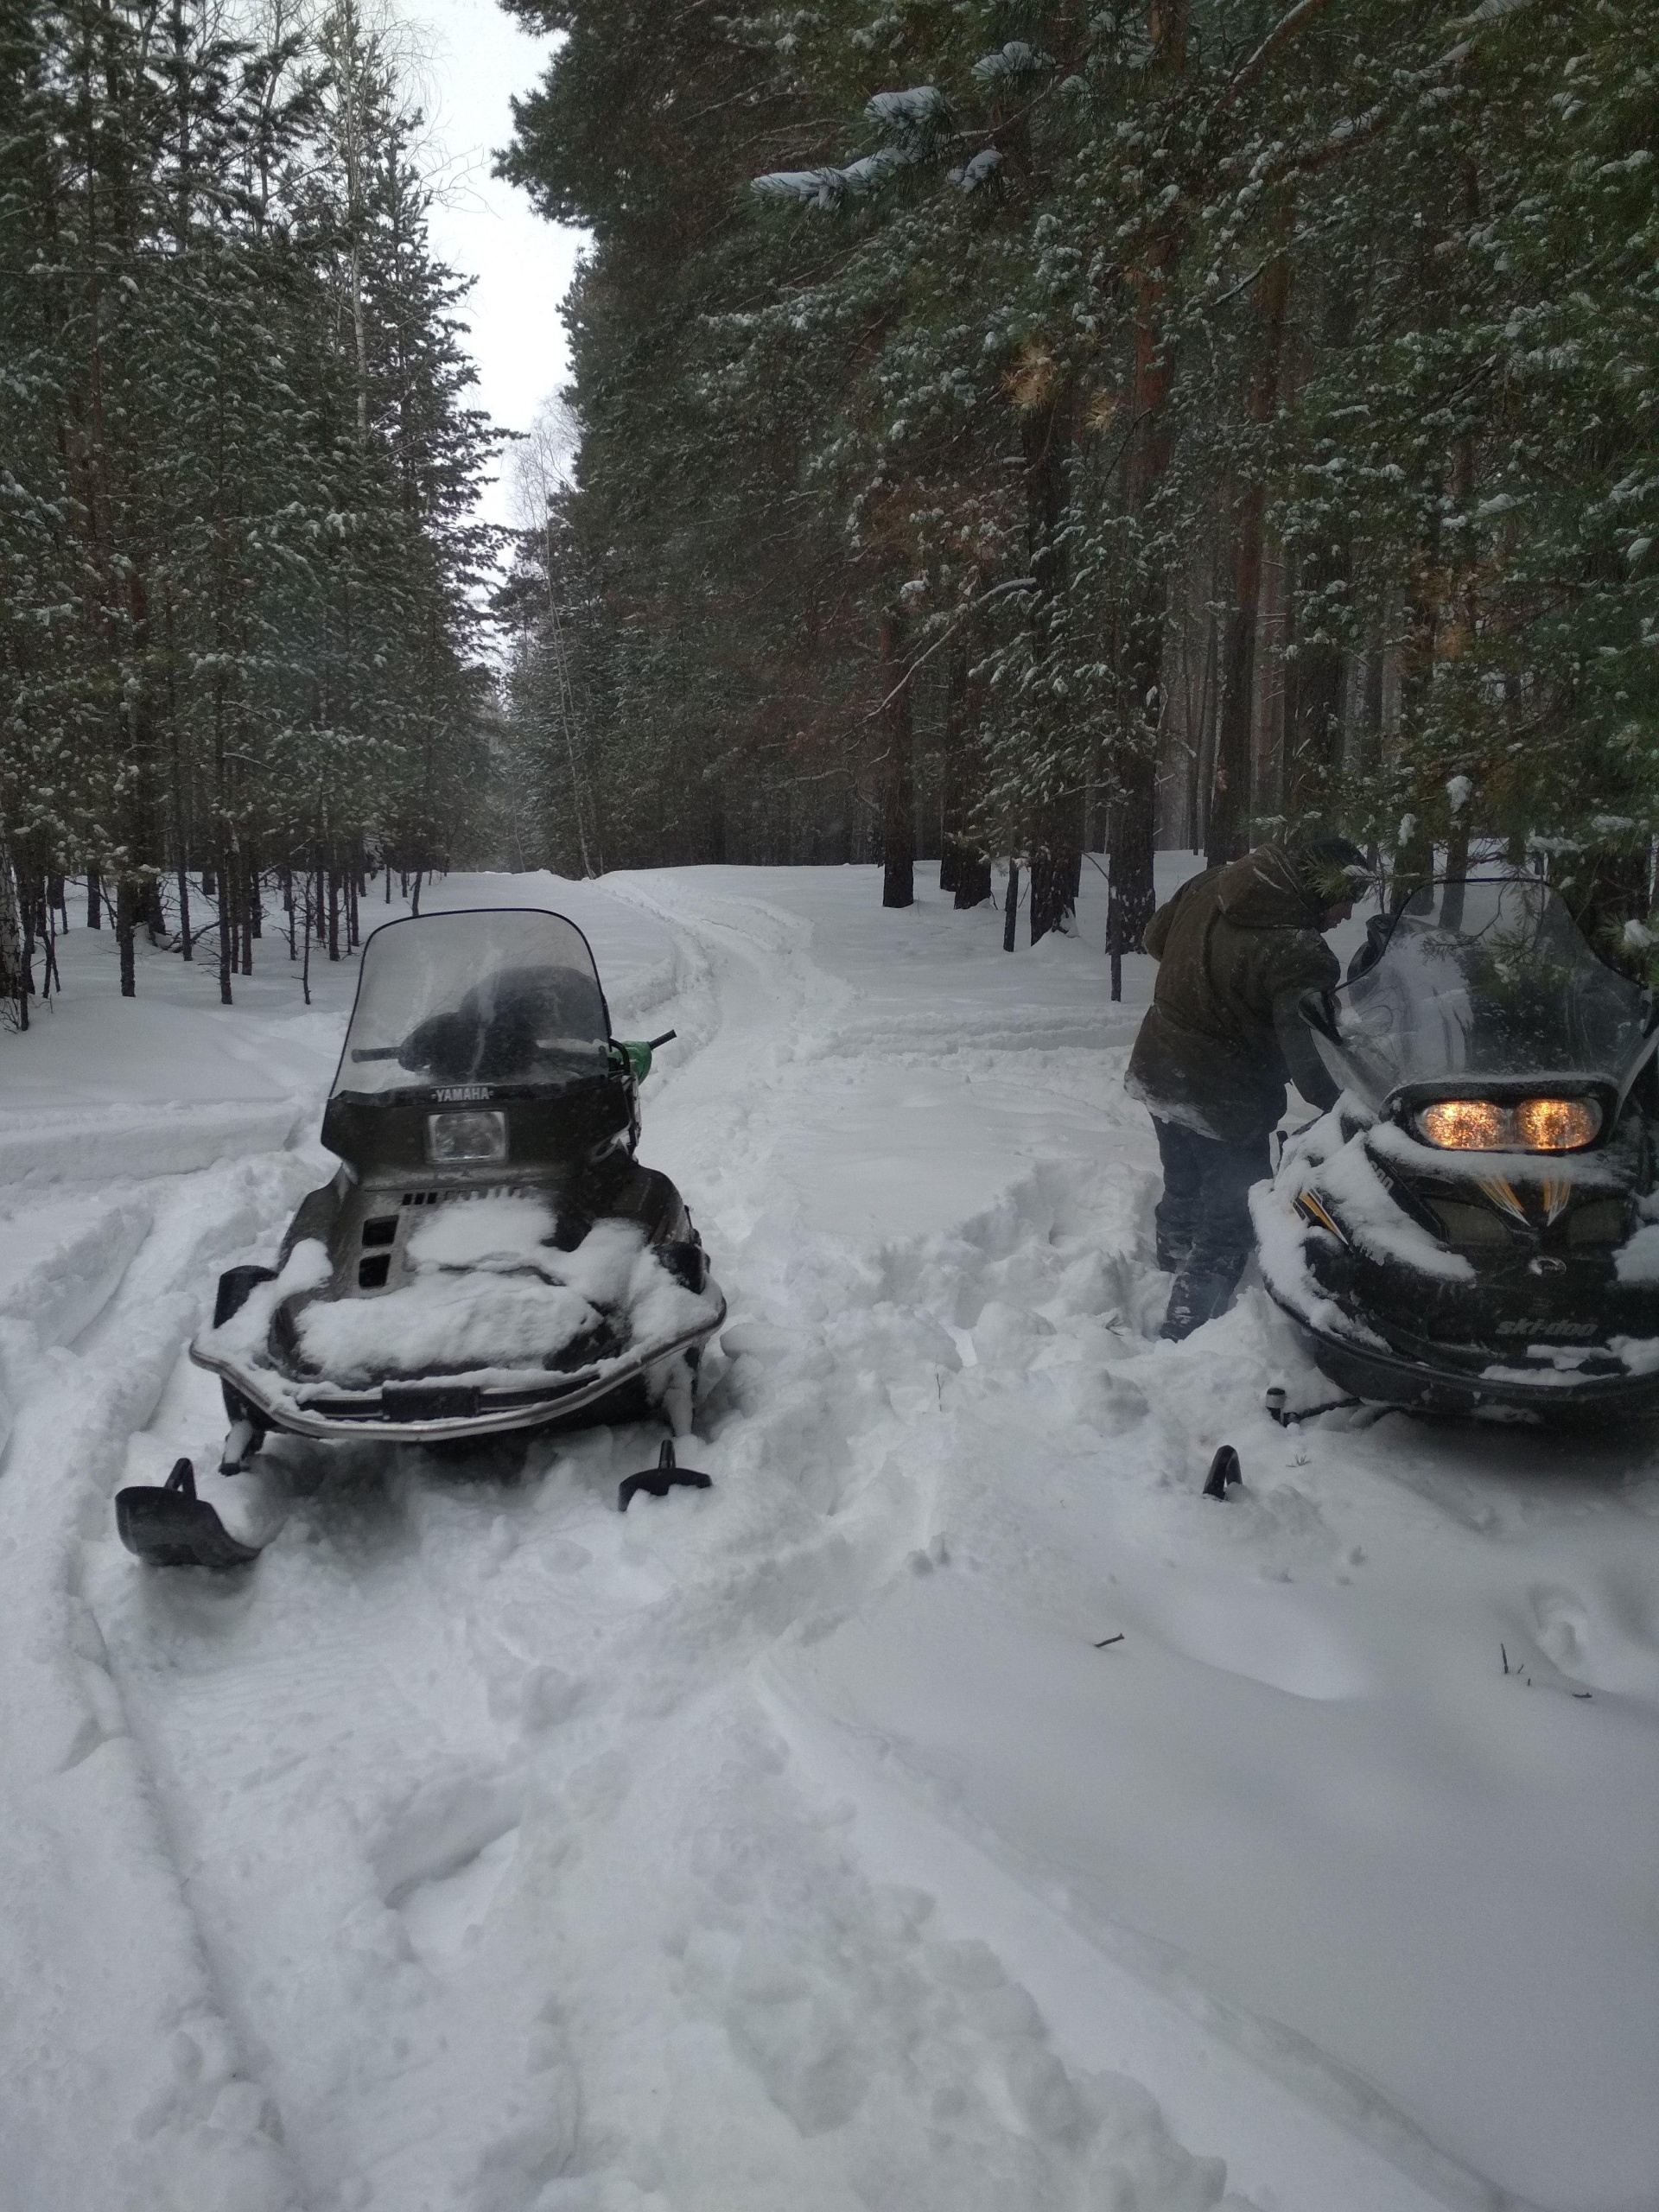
point(793, 1844)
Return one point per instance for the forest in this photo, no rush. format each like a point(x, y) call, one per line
point(1004, 432)
point(1018, 428)
point(240, 565)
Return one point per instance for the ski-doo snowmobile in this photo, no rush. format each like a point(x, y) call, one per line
point(490, 1256)
point(1475, 1225)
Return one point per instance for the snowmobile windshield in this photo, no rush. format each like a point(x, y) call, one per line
point(496, 998)
point(1482, 979)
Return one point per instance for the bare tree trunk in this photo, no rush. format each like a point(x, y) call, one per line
point(1133, 838)
point(126, 929)
point(1230, 807)
point(954, 800)
point(11, 943)
point(898, 809)
point(94, 900)
point(1057, 828)
point(226, 928)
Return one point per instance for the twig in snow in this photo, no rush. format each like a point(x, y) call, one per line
point(1107, 1640)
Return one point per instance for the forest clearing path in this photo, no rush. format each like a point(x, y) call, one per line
point(791, 1843)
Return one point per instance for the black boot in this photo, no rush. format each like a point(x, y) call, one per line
point(1195, 1299)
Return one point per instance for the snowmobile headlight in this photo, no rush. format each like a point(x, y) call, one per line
point(1465, 1125)
point(463, 1139)
point(1556, 1124)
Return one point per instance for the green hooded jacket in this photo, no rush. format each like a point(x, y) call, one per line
point(1237, 947)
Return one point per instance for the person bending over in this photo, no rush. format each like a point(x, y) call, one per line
point(1236, 948)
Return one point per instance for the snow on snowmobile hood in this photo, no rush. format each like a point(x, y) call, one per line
point(1490, 983)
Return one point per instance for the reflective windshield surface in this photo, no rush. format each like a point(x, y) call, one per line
point(499, 996)
point(1483, 978)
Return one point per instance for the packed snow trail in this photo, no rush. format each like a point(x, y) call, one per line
point(793, 1844)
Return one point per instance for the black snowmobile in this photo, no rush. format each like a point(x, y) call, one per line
point(1475, 1225)
point(490, 1256)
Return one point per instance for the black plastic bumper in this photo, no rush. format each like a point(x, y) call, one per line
point(1384, 1378)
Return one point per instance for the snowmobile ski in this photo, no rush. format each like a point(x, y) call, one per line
point(1225, 1471)
point(657, 1481)
point(166, 1524)
point(1288, 1416)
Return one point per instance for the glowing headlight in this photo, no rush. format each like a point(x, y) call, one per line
point(1465, 1125)
point(463, 1139)
point(1556, 1124)
point(1534, 1125)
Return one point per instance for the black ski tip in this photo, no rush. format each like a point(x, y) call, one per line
point(168, 1525)
point(1224, 1470)
point(657, 1481)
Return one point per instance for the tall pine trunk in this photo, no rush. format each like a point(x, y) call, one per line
point(899, 800)
point(969, 878)
point(1132, 895)
point(1057, 827)
point(1230, 805)
point(227, 927)
point(126, 930)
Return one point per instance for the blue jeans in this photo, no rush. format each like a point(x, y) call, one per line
point(1203, 1220)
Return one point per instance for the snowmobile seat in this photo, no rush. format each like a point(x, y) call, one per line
point(503, 1024)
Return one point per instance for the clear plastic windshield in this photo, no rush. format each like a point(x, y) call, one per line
point(496, 997)
point(1485, 978)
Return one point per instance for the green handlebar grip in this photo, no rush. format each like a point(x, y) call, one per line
point(638, 1055)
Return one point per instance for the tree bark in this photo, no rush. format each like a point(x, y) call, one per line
point(11, 942)
point(1057, 826)
point(1132, 897)
point(1230, 807)
point(227, 927)
point(899, 807)
point(968, 878)
point(126, 929)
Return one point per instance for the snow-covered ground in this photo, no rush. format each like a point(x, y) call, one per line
point(799, 1845)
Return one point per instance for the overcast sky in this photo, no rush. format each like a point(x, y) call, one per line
point(476, 59)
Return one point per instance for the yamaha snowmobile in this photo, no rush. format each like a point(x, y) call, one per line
point(490, 1256)
point(1474, 1227)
